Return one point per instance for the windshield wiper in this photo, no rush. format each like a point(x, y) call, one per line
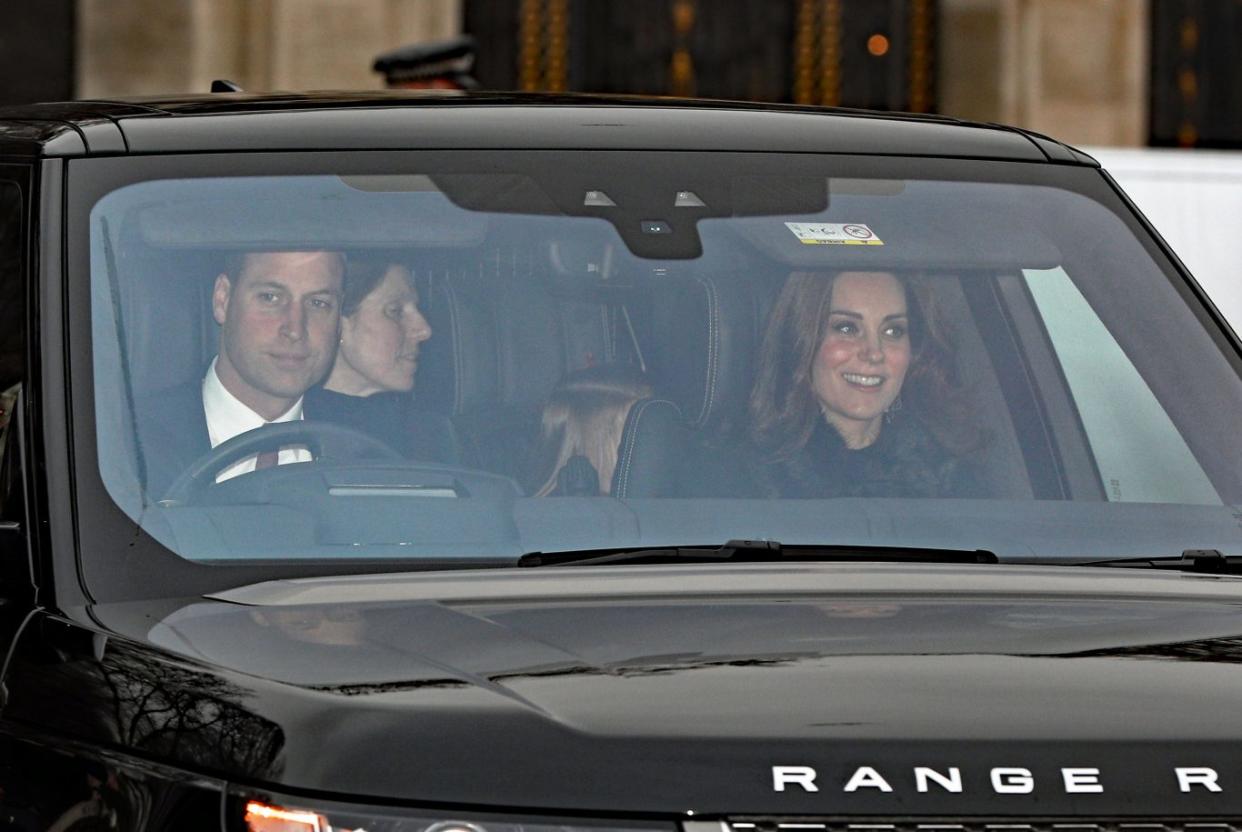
point(752, 551)
point(1210, 561)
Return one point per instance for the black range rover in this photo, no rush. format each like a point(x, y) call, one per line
point(485, 464)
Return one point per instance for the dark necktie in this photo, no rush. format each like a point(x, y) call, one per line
point(267, 459)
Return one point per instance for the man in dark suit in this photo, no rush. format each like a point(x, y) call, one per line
point(279, 317)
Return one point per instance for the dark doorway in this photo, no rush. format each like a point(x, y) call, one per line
point(877, 54)
point(1196, 80)
point(36, 51)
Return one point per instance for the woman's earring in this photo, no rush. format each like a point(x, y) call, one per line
point(892, 408)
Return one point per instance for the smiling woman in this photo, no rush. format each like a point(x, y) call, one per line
point(861, 362)
point(837, 355)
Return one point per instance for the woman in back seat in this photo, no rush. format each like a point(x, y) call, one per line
point(382, 331)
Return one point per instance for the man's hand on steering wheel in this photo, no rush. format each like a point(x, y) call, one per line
point(326, 441)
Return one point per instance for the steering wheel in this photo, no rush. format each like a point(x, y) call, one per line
point(326, 441)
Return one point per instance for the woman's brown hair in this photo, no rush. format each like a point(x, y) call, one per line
point(783, 408)
point(362, 275)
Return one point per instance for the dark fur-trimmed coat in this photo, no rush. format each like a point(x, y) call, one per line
point(905, 461)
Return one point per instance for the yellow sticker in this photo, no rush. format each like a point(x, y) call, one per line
point(834, 234)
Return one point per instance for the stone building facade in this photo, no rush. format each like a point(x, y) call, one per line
point(137, 47)
point(1076, 69)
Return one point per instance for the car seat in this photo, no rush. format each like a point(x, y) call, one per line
point(504, 337)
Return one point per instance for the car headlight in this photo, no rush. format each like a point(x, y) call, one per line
point(271, 813)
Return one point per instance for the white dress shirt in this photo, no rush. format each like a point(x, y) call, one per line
point(227, 417)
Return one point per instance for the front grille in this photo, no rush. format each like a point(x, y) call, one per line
point(747, 824)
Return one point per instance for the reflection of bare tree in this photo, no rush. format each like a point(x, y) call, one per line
point(81, 694)
point(155, 703)
point(176, 710)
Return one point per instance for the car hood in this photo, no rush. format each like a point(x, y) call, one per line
point(675, 689)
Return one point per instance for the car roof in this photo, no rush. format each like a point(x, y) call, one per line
point(488, 120)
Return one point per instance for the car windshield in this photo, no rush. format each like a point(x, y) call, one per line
point(455, 358)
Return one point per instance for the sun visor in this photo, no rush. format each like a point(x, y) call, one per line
point(295, 212)
point(905, 227)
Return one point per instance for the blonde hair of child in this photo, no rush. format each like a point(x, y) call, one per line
point(585, 415)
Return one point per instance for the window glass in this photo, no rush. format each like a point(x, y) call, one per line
point(467, 359)
point(12, 304)
point(1147, 461)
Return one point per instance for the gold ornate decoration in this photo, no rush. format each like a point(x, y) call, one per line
point(1187, 134)
point(804, 52)
point(1188, 82)
point(921, 53)
point(543, 45)
point(530, 26)
point(830, 54)
point(557, 53)
point(817, 52)
point(681, 67)
point(1189, 34)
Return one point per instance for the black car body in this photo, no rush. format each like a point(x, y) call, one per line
point(362, 645)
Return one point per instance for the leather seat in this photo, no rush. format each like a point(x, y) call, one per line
point(703, 333)
point(170, 336)
point(653, 443)
point(707, 331)
point(506, 335)
point(503, 340)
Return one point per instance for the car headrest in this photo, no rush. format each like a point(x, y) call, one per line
point(170, 335)
point(707, 331)
point(653, 441)
point(502, 338)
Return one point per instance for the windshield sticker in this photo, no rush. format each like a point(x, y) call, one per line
point(834, 234)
